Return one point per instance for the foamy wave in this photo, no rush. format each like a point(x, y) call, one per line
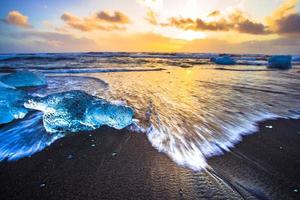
point(24, 138)
point(193, 154)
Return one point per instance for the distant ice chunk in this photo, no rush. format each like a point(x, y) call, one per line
point(280, 62)
point(76, 110)
point(223, 60)
point(296, 58)
point(24, 79)
point(11, 104)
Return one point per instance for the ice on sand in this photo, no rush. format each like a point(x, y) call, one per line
point(76, 110)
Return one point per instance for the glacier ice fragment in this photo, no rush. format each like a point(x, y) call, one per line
point(76, 110)
point(223, 60)
point(24, 79)
point(280, 62)
point(11, 104)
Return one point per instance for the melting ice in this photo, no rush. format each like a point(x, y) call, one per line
point(11, 104)
point(75, 111)
point(24, 79)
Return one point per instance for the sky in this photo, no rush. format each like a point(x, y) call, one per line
point(218, 26)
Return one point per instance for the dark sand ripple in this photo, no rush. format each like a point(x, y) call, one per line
point(111, 164)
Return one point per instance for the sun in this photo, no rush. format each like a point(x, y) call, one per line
point(190, 35)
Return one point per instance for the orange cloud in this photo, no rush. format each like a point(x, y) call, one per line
point(18, 19)
point(36, 41)
point(282, 45)
point(236, 21)
point(97, 21)
point(32, 40)
point(285, 19)
point(117, 17)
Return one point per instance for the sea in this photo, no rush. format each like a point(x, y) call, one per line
point(188, 107)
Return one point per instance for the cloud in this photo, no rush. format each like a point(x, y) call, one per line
point(235, 21)
point(41, 41)
point(117, 17)
point(18, 19)
point(289, 24)
point(243, 24)
point(76, 23)
point(285, 19)
point(37, 41)
point(98, 21)
point(282, 45)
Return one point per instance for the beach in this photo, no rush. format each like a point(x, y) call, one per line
point(150, 100)
point(148, 126)
point(111, 164)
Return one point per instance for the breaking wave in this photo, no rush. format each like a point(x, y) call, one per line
point(193, 114)
point(24, 138)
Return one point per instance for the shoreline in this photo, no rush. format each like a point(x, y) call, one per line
point(118, 164)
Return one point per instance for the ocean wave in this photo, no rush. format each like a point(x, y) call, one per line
point(194, 114)
point(243, 70)
point(93, 70)
point(24, 138)
point(194, 154)
point(36, 57)
point(55, 84)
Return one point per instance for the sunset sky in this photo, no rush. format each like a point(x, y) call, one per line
point(223, 26)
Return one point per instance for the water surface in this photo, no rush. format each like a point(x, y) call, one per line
point(189, 108)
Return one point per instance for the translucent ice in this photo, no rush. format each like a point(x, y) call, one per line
point(280, 62)
point(11, 104)
point(24, 79)
point(3, 85)
point(223, 60)
point(78, 111)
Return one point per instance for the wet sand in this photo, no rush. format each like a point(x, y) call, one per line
point(111, 164)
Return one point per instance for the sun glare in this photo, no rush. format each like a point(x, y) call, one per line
point(189, 35)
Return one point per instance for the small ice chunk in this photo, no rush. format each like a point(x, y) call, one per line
point(269, 126)
point(114, 154)
point(76, 110)
point(223, 60)
point(70, 156)
point(11, 105)
point(280, 62)
point(42, 185)
point(24, 79)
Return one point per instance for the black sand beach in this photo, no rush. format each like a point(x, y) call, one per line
point(123, 165)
